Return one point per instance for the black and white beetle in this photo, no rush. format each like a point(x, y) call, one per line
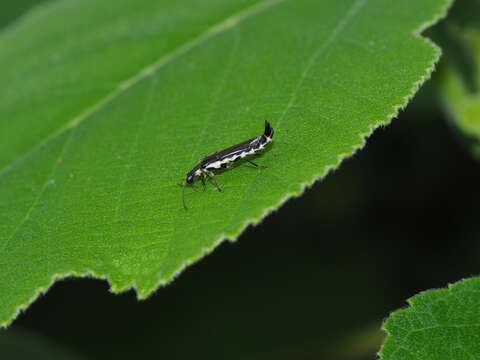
point(223, 159)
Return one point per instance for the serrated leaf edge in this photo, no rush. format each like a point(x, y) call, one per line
point(226, 24)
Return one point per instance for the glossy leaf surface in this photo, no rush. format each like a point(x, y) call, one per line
point(460, 76)
point(108, 105)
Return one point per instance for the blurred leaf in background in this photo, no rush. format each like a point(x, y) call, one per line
point(459, 76)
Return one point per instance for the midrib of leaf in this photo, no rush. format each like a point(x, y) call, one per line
point(149, 70)
point(222, 26)
point(342, 23)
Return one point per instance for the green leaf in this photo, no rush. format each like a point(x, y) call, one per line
point(438, 324)
point(460, 75)
point(109, 104)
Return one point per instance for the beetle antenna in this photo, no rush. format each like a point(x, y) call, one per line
point(183, 185)
point(183, 196)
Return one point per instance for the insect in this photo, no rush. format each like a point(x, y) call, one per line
point(223, 159)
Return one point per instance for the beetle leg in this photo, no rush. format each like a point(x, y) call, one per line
point(214, 182)
point(195, 186)
point(256, 165)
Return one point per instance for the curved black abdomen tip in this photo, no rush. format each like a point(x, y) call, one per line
point(268, 130)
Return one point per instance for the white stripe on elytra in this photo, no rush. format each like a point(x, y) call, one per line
point(218, 164)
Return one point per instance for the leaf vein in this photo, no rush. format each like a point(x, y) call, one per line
point(41, 192)
point(149, 70)
point(343, 22)
point(211, 32)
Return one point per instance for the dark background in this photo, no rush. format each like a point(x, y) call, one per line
point(314, 281)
